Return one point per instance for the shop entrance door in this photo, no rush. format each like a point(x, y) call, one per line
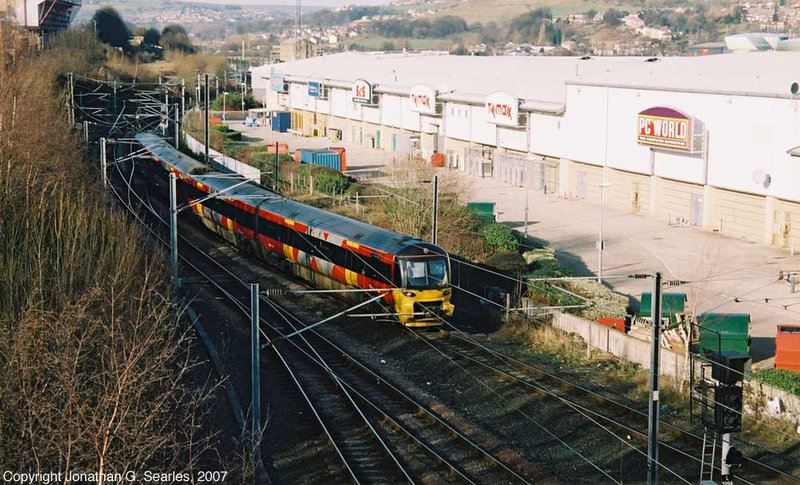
point(696, 217)
point(581, 188)
point(782, 229)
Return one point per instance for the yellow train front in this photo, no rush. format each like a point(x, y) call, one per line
point(422, 271)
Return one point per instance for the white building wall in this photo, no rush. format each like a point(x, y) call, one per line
point(547, 134)
point(391, 110)
point(584, 126)
point(678, 166)
point(513, 139)
point(746, 134)
point(272, 100)
point(751, 134)
point(481, 131)
point(297, 95)
point(339, 99)
point(353, 110)
point(457, 121)
point(371, 115)
point(410, 118)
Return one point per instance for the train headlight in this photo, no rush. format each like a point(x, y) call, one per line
point(409, 294)
point(446, 292)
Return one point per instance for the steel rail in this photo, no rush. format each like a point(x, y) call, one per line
point(243, 308)
point(428, 412)
point(345, 383)
point(511, 361)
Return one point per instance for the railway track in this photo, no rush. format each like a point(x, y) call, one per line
point(677, 444)
point(381, 434)
point(393, 426)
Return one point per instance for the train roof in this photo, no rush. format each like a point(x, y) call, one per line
point(256, 195)
point(166, 152)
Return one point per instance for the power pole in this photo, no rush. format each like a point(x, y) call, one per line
point(103, 173)
point(526, 202)
point(177, 127)
point(166, 112)
point(115, 98)
point(297, 31)
point(435, 222)
point(183, 98)
point(71, 100)
point(277, 168)
point(207, 121)
point(173, 231)
point(255, 384)
point(655, 347)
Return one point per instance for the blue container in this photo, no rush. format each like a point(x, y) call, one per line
point(307, 155)
point(328, 159)
point(281, 121)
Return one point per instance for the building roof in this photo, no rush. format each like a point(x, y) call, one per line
point(540, 81)
point(768, 74)
point(534, 79)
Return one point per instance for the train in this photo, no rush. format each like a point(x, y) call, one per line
point(327, 250)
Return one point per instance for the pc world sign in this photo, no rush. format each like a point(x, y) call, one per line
point(669, 128)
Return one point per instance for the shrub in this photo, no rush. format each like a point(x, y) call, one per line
point(233, 102)
point(230, 148)
point(326, 180)
point(233, 135)
point(498, 237)
point(510, 261)
point(94, 364)
point(780, 378)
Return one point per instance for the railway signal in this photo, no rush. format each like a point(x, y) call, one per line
point(728, 408)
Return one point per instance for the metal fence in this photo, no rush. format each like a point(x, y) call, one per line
point(478, 161)
point(509, 168)
point(519, 170)
point(231, 163)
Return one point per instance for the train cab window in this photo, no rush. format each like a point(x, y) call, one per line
point(416, 274)
point(425, 272)
point(437, 272)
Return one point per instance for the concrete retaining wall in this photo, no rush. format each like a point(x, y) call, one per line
point(620, 344)
point(673, 365)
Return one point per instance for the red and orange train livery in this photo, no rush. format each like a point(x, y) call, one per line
point(326, 249)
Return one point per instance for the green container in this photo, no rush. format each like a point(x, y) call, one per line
point(724, 332)
point(671, 304)
point(484, 210)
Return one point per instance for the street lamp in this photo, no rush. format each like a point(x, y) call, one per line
point(244, 88)
point(224, 97)
point(603, 186)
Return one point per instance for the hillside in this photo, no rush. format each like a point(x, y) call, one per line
point(499, 11)
point(502, 10)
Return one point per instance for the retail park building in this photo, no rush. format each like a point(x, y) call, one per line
point(710, 141)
